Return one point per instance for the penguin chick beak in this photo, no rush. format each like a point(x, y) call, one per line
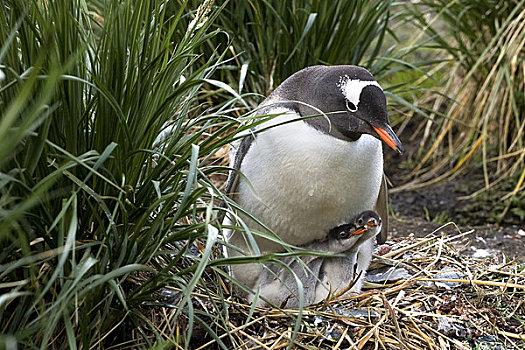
point(390, 138)
point(372, 223)
point(359, 231)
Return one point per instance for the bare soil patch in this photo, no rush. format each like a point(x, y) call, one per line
point(420, 212)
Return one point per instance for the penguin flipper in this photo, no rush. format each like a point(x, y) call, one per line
point(382, 209)
point(237, 153)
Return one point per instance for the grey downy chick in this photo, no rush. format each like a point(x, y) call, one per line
point(348, 272)
point(280, 286)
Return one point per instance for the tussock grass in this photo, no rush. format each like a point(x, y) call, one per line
point(481, 96)
point(271, 40)
point(274, 39)
point(90, 197)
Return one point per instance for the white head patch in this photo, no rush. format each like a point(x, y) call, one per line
point(351, 88)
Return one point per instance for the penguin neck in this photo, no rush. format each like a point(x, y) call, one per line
point(288, 96)
point(322, 125)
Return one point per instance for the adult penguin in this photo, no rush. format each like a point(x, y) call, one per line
point(315, 165)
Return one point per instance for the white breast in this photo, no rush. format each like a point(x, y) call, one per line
point(304, 182)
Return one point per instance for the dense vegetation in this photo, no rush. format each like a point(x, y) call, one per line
point(98, 213)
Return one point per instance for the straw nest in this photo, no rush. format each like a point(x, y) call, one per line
point(424, 295)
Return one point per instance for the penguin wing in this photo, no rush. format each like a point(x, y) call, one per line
point(239, 149)
point(237, 152)
point(382, 209)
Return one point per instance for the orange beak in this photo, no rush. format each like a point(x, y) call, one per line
point(372, 223)
point(390, 138)
point(359, 231)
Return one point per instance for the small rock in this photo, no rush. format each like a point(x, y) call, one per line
point(387, 274)
point(169, 296)
point(488, 342)
point(480, 253)
point(521, 232)
point(451, 328)
point(364, 314)
point(448, 273)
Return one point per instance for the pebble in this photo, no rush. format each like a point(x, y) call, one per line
point(364, 314)
point(387, 274)
point(451, 328)
point(488, 342)
point(480, 253)
point(448, 273)
point(169, 296)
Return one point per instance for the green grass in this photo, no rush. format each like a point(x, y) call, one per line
point(274, 39)
point(88, 198)
point(270, 40)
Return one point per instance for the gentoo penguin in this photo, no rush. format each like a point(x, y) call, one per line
point(279, 286)
point(314, 166)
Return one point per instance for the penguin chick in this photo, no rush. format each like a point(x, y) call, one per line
point(279, 285)
point(348, 272)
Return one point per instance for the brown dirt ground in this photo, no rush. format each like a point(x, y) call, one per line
point(422, 211)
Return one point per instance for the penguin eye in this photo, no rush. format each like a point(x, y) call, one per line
point(344, 234)
point(351, 106)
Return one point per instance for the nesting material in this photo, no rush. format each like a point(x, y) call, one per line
point(443, 300)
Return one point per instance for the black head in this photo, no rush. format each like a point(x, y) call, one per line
point(352, 100)
point(367, 218)
point(342, 232)
point(361, 224)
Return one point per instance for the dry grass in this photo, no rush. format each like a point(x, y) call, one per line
point(486, 302)
point(481, 99)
